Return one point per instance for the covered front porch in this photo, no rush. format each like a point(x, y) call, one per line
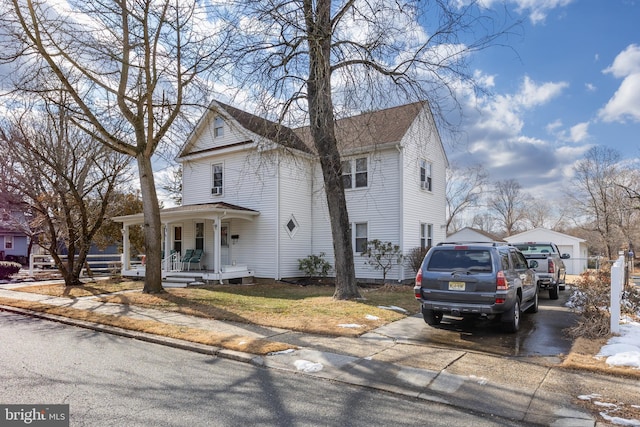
point(200, 244)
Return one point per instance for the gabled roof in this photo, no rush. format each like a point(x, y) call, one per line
point(486, 234)
point(363, 130)
point(371, 128)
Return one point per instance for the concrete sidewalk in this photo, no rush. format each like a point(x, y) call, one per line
point(386, 359)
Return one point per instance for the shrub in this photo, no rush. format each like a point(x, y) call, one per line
point(314, 266)
point(590, 300)
point(382, 255)
point(8, 268)
point(415, 257)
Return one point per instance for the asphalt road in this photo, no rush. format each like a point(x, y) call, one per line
point(113, 381)
point(541, 334)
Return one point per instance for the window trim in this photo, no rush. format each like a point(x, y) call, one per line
point(353, 173)
point(8, 242)
point(426, 235)
point(218, 127)
point(217, 190)
point(355, 237)
point(426, 175)
point(293, 232)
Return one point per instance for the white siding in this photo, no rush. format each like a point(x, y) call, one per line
point(422, 206)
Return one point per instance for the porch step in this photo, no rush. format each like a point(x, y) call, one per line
point(180, 281)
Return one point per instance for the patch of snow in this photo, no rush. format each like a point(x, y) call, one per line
point(623, 349)
point(620, 421)
point(307, 366)
point(350, 325)
point(394, 308)
point(371, 317)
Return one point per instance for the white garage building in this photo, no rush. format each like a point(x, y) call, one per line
point(571, 245)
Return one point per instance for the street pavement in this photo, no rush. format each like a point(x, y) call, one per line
point(387, 359)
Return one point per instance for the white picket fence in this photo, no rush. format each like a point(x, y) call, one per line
point(98, 263)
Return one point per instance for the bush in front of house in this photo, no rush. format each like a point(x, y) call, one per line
point(8, 268)
point(415, 257)
point(314, 266)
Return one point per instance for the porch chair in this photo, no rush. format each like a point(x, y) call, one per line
point(188, 254)
point(195, 259)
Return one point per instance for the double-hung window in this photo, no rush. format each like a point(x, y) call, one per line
point(216, 179)
point(361, 236)
point(354, 173)
point(8, 242)
point(218, 127)
point(426, 235)
point(425, 175)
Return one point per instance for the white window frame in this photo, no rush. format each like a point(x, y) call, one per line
point(356, 237)
point(217, 190)
point(199, 235)
point(8, 242)
point(218, 127)
point(426, 175)
point(426, 235)
point(352, 168)
point(296, 227)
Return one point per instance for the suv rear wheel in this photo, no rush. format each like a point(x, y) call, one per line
point(431, 317)
point(511, 319)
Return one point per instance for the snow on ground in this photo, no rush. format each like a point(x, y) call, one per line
point(623, 349)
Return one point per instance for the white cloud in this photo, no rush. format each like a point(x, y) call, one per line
point(538, 10)
point(533, 94)
point(579, 132)
point(590, 87)
point(624, 104)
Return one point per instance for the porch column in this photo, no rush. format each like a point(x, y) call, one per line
point(167, 251)
point(126, 261)
point(217, 225)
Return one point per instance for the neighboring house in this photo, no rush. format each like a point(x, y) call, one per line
point(469, 234)
point(14, 242)
point(254, 200)
point(574, 246)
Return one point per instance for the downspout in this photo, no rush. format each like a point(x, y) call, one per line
point(278, 217)
point(400, 207)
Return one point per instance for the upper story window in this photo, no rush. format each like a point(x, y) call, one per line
point(354, 173)
point(426, 235)
point(425, 175)
point(216, 179)
point(218, 127)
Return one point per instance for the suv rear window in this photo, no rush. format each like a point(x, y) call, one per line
point(468, 259)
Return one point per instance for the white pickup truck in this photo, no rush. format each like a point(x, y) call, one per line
point(546, 260)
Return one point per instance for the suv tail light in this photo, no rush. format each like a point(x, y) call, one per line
point(551, 267)
point(417, 288)
point(501, 281)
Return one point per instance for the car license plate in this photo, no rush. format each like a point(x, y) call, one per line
point(456, 286)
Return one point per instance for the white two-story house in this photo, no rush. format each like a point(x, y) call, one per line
point(254, 199)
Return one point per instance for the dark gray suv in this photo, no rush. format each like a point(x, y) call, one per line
point(490, 280)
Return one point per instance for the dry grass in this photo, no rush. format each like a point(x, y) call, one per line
point(232, 342)
point(582, 357)
point(299, 308)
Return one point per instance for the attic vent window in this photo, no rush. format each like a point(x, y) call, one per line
point(292, 226)
point(218, 127)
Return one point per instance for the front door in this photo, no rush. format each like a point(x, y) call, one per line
point(224, 244)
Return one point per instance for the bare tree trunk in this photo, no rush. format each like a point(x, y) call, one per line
point(151, 227)
point(323, 130)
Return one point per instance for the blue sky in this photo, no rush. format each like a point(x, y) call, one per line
point(569, 80)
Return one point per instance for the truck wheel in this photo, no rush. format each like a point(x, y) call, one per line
point(511, 319)
point(563, 282)
point(553, 292)
point(431, 317)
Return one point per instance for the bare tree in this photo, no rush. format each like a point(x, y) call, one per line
point(65, 179)
point(327, 58)
point(464, 189)
point(128, 68)
point(508, 204)
point(597, 196)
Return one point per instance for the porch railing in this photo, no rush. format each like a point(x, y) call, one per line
point(174, 263)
